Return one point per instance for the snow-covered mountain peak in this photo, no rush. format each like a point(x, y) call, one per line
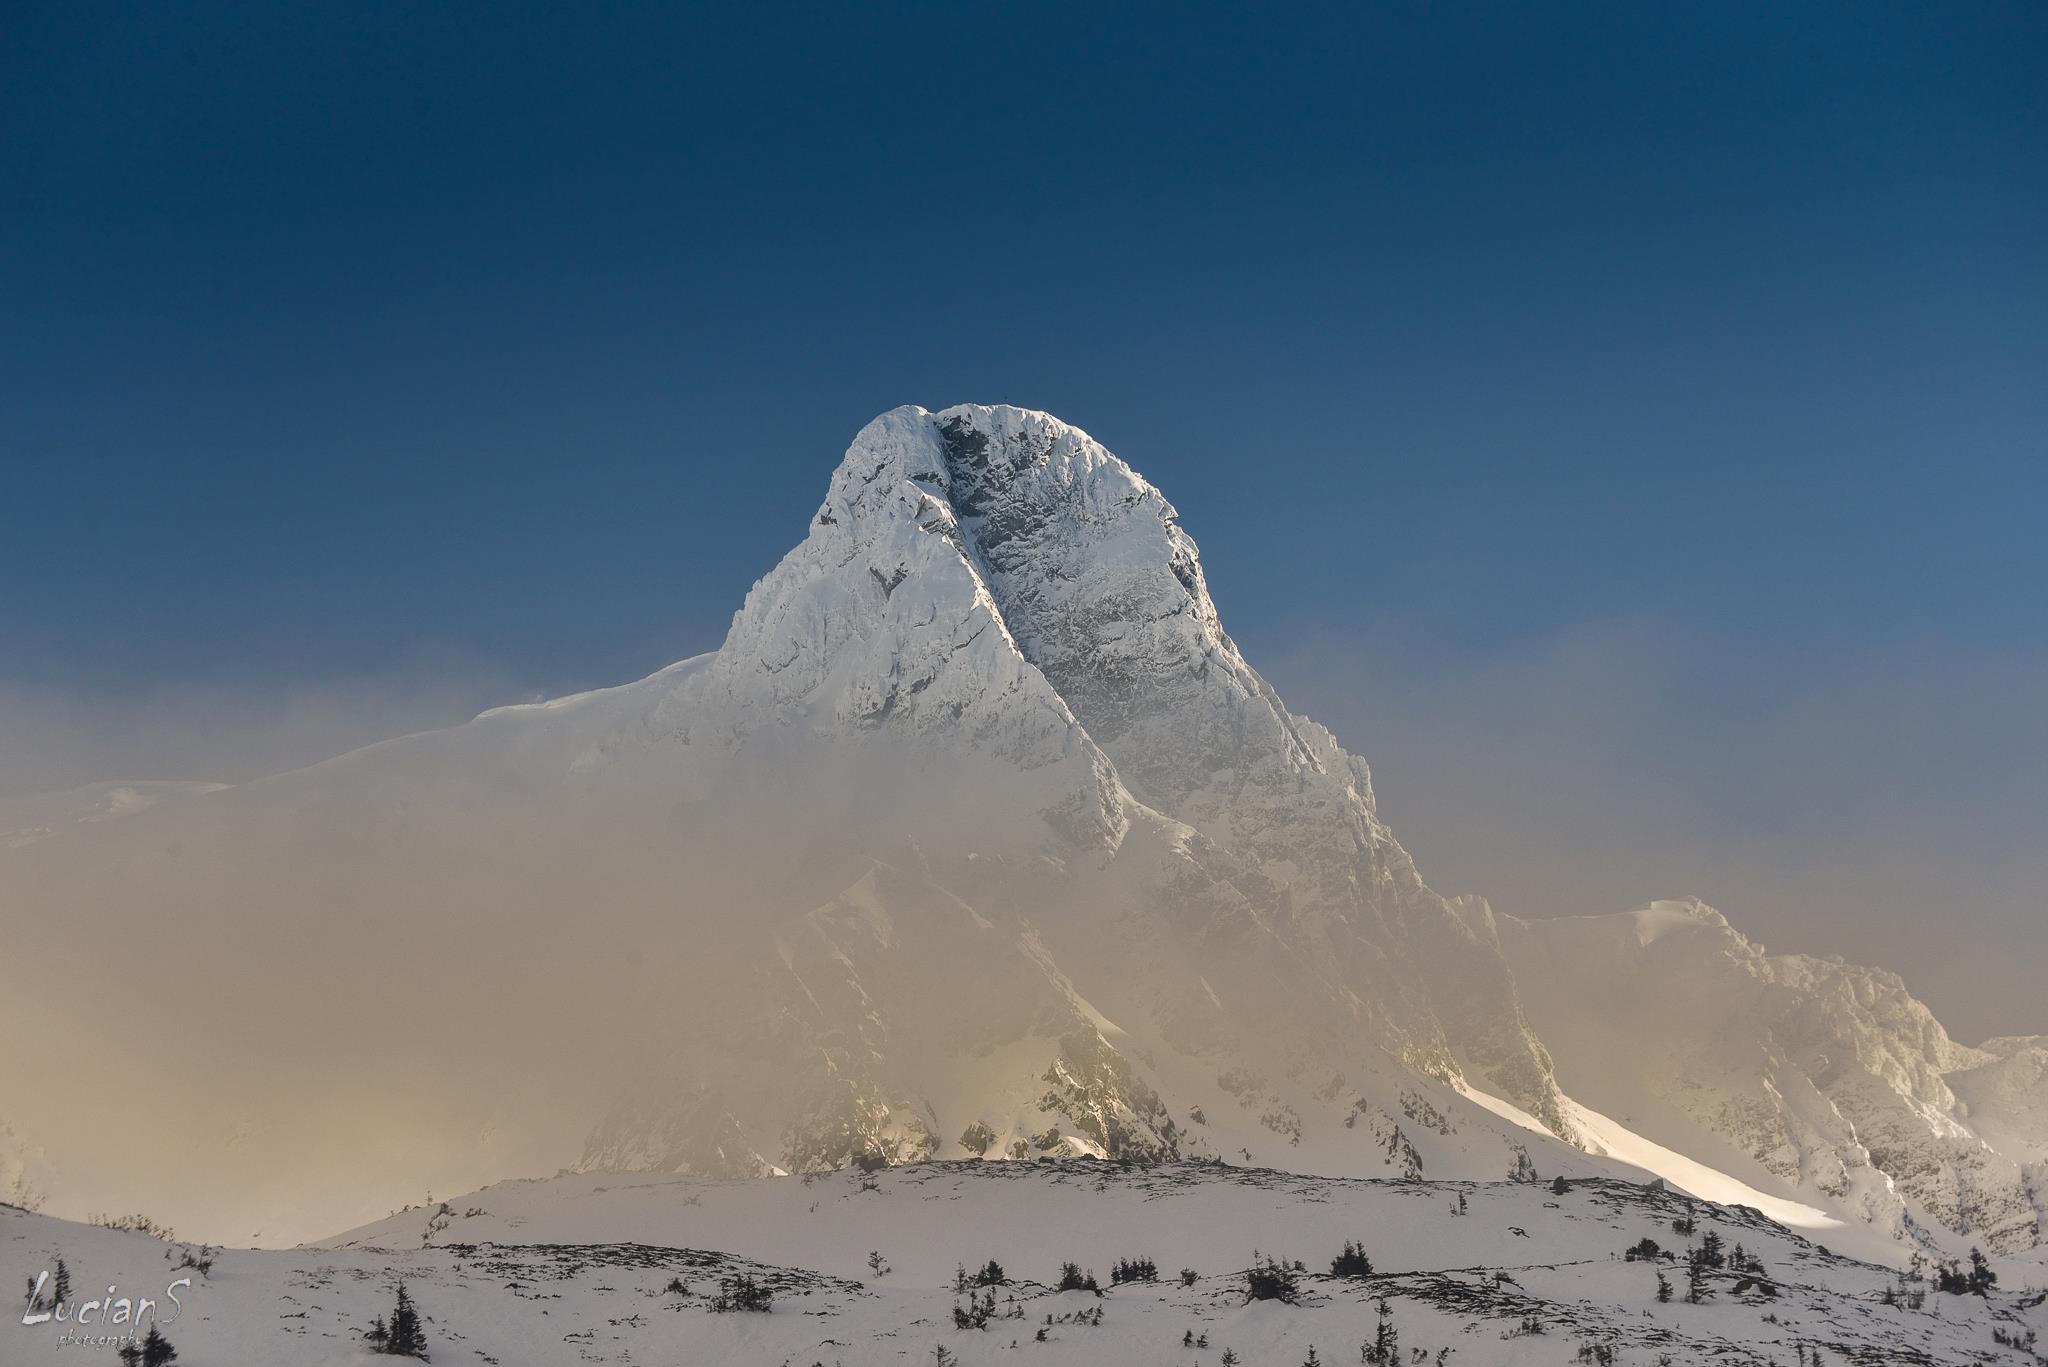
point(881, 631)
point(1086, 565)
point(994, 609)
point(975, 455)
point(979, 836)
point(996, 575)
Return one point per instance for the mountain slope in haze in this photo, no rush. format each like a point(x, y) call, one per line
point(1830, 1080)
point(978, 836)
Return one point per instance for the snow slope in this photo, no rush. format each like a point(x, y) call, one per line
point(576, 1270)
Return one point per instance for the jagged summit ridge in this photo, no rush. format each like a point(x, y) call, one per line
point(995, 576)
point(1086, 565)
point(881, 624)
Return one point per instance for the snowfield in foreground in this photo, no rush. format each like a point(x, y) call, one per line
point(862, 1268)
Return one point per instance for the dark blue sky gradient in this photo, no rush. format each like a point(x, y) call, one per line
point(335, 330)
point(338, 335)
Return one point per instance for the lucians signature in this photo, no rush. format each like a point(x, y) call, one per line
point(107, 1310)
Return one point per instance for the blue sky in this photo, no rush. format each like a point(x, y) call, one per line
point(1673, 378)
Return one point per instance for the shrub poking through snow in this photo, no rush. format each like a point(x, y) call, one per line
point(1269, 1280)
point(1133, 1270)
point(200, 1261)
point(742, 1292)
point(975, 1314)
point(1352, 1262)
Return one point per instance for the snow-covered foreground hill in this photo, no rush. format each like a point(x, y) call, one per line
point(862, 1268)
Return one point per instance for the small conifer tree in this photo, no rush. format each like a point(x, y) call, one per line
point(404, 1336)
point(1696, 1280)
point(1352, 1262)
point(1385, 1348)
point(1270, 1280)
point(157, 1350)
point(1980, 1280)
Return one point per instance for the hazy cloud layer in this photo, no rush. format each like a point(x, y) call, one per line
point(455, 974)
point(228, 731)
point(1886, 809)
